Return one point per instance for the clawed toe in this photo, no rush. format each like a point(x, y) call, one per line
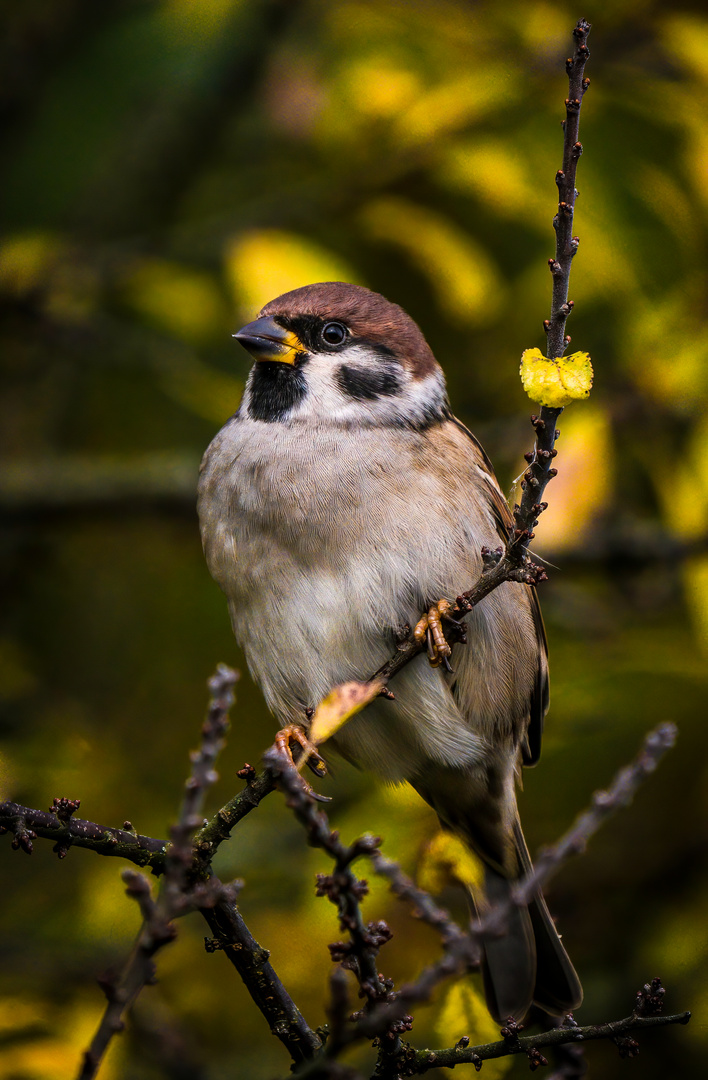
point(429, 633)
point(314, 761)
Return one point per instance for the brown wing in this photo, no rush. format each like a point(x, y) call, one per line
point(538, 704)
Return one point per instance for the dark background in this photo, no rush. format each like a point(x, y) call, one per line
point(168, 168)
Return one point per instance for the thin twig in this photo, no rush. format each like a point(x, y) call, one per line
point(513, 563)
point(27, 824)
point(193, 885)
point(342, 887)
point(232, 936)
point(461, 951)
point(176, 897)
point(103, 839)
point(416, 1062)
point(156, 931)
point(566, 243)
point(604, 803)
point(218, 829)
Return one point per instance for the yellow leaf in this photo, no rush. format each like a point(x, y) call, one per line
point(556, 382)
point(339, 706)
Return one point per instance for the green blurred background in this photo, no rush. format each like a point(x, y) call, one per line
point(169, 166)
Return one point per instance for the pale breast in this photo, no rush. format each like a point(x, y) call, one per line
point(326, 539)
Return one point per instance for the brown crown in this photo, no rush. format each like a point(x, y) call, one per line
point(367, 314)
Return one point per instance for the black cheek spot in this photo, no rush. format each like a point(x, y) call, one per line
point(365, 385)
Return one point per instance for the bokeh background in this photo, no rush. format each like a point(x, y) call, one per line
point(168, 167)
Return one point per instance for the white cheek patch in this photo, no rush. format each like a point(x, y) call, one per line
point(337, 383)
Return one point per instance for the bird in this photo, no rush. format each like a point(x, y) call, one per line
point(340, 501)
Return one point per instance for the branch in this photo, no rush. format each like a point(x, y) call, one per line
point(232, 936)
point(186, 864)
point(566, 243)
point(416, 1062)
point(176, 897)
point(387, 1013)
point(513, 562)
point(342, 887)
point(604, 803)
point(208, 839)
point(27, 824)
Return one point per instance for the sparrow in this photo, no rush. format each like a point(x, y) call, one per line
point(342, 500)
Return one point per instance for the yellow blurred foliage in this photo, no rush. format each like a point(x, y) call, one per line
point(466, 284)
point(183, 301)
point(205, 391)
point(454, 104)
point(43, 262)
point(106, 914)
point(695, 579)
point(682, 485)
point(666, 198)
point(670, 366)
point(377, 88)
point(583, 485)
point(55, 1039)
point(478, 166)
point(463, 1012)
point(686, 36)
point(25, 261)
point(264, 263)
point(446, 858)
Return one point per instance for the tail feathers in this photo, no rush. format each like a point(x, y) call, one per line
point(528, 963)
point(558, 988)
point(509, 961)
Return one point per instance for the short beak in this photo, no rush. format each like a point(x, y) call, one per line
point(265, 340)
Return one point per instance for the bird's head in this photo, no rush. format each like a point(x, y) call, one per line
point(341, 354)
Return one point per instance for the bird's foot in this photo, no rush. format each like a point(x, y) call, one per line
point(294, 734)
point(429, 633)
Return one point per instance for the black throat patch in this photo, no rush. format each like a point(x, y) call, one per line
point(275, 390)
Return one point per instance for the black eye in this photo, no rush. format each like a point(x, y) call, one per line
point(334, 333)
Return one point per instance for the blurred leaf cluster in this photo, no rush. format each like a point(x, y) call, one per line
point(170, 165)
